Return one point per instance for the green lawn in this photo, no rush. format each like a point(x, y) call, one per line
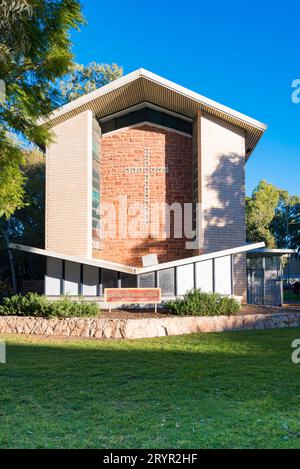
point(224, 390)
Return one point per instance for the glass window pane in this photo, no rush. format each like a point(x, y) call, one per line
point(128, 281)
point(96, 204)
point(147, 280)
point(167, 281)
point(254, 263)
point(109, 278)
point(96, 195)
point(96, 150)
point(96, 224)
point(96, 175)
point(272, 262)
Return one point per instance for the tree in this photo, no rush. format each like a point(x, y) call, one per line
point(294, 227)
point(11, 178)
point(28, 222)
point(286, 222)
point(83, 79)
point(260, 211)
point(35, 56)
point(34, 51)
point(26, 225)
point(273, 216)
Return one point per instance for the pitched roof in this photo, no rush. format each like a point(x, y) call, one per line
point(144, 86)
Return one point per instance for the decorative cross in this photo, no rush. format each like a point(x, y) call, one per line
point(147, 170)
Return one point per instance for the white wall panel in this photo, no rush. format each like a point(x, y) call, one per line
point(90, 280)
point(223, 275)
point(53, 277)
point(72, 278)
point(204, 275)
point(185, 278)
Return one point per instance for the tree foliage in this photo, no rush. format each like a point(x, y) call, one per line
point(83, 79)
point(35, 50)
point(260, 209)
point(35, 61)
point(273, 216)
point(26, 224)
point(11, 177)
point(286, 222)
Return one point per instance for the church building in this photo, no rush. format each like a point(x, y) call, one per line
point(145, 186)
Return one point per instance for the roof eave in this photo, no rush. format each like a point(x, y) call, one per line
point(142, 73)
point(131, 269)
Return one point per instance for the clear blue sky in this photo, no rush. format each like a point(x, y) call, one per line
point(244, 55)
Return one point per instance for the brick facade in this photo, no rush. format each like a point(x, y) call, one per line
point(220, 182)
point(125, 148)
point(68, 187)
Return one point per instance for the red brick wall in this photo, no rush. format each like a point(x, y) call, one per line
point(125, 148)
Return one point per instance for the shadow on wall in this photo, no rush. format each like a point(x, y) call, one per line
point(224, 209)
point(223, 195)
point(224, 213)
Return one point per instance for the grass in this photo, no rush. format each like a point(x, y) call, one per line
point(223, 390)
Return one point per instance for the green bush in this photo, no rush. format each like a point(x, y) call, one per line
point(36, 305)
point(199, 303)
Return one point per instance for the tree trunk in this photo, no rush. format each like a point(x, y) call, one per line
point(11, 260)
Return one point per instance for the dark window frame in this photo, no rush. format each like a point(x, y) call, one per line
point(147, 114)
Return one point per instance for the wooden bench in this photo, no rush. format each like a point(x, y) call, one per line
point(132, 295)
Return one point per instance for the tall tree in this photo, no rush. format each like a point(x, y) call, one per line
point(35, 49)
point(260, 211)
point(85, 78)
point(26, 225)
point(11, 177)
point(286, 222)
point(294, 241)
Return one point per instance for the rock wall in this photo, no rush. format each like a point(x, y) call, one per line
point(143, 328)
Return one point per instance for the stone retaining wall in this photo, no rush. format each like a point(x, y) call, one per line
point(143, 328)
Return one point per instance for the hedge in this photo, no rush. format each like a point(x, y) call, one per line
point(199, 303)
point(36, 305)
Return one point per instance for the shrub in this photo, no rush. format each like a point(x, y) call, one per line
point(36, 305)
point(199, 303)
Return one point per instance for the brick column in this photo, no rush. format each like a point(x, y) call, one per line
point(69, 187)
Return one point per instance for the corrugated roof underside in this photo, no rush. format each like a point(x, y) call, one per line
point(143, 89)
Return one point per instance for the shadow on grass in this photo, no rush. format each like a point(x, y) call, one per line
point(206, 390)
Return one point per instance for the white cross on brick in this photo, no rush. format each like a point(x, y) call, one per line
point(147, 170)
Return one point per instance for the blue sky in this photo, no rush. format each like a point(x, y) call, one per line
point(244, 55)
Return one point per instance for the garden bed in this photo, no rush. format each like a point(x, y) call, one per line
point(162, 313)
point(195, 312)
point(144, 327)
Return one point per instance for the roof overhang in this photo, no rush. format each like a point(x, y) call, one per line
point(80, 260)
point(143, 86)
point(273, 252)
point(135, 270)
